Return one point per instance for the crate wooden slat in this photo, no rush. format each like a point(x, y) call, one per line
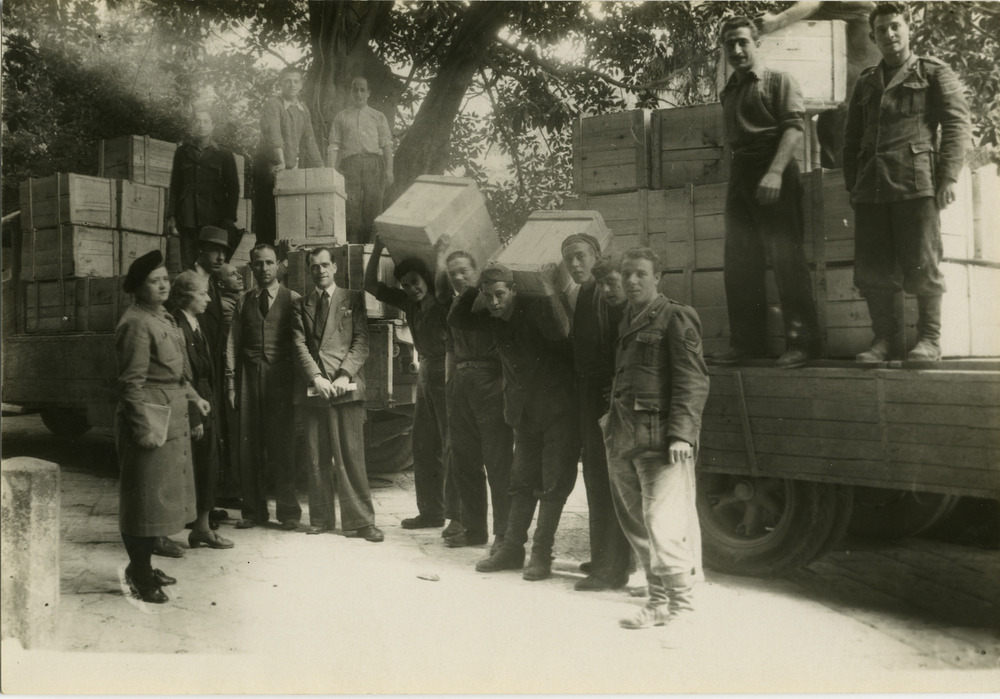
point(540, 242)
point(241, 255)
point(688, 146)
point(72, 305)
point(82, 251)
point(310, 206)
point(611, 152)
point(141, 207)
point(986, 213)
point(351, 261)
point(438, 208)
point(244, 215)
point(140, 159)
point(47, 202)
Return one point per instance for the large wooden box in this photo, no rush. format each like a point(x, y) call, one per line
point(72, 305)
point(611, 152)
point(539, 242)
point(81, 251)
point(986, 213)
point(446, 211)
point(310, 206)
point(689, 146)
point(351, 261)
point(47, 202)
point(624, 214)
point(141, 207)
point(137, 158)
point(814, 53)
point(958, 236)
point(241, 255)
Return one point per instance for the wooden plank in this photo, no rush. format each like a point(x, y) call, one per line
point(612, 152)
point(141, 207)
point(674, 255)
point(813, 408)
point(955, 456)
point(142, 159)
point(946, 435)
point(794, 427)
point(48, 202)
point(72, 305)
point(984, 289)
point(68, 251)
point(715, 439)
point(986, 213)
point(310, 206)
point(962, 416)
point(709, 254)
point(749, 442)
point(817, 447)
point(951, 388)
point(849, 389)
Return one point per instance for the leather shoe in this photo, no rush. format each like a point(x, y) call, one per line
point(246, 523)
point(147, 589)
point(592, 583)
point(792, 359)
point(586, 567)
point(466, 539)
point(290, 525)
point(454, 528)
point(368, 533)
point(211, 540)
point(167, 547)
point(318, 528)
point(161, 578)
point(421, 522)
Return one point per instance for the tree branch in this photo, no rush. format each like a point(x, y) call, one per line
point(511, 143)
point(556, 69)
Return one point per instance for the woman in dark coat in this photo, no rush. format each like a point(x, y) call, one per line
point(189, 298)
point(152, 433)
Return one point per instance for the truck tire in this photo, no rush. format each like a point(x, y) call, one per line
point(392, 456)
point(889, 514)
point(767, 526)
point(68, 423)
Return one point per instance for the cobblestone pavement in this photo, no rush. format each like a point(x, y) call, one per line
point(283, 612)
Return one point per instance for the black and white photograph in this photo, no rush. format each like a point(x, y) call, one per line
point(499, 347)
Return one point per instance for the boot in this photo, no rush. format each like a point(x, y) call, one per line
point(680, 629)
point(656, 611)
point(928, 347)
point(540, 564)
point(510, 555)
point(882, 308)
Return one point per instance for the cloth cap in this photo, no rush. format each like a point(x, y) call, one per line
point(582, 238)
point(140, 269)
point(496, 273)
point(214, 235)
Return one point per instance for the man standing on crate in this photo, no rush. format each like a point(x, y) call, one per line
point(204, 188)
point(286, 143)
point(361, 149)
point(763, 112)
point(901, 174)
point(260, 372)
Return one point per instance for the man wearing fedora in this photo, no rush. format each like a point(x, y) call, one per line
point(330, 329)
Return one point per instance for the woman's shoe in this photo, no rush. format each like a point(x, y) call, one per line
point(162, 579)
point(147, 587)
point(210, 539)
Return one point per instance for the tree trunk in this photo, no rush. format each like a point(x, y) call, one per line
point(425, 147)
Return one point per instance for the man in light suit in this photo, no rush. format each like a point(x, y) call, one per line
point(330, 329)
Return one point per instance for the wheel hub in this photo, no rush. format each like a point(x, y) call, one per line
point(745, 491)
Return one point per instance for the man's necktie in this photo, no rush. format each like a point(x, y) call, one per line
point(322, 312)
point(264, 305)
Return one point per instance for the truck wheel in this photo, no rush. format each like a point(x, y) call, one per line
point(767, 526)
point(68, 423)
point(889, 514)
point(392, 456)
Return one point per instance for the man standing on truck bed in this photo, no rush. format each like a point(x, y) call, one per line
point(763, 113)
point(900, 174)
point(651, 433)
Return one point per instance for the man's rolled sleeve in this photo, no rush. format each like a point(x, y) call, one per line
point(788, 99)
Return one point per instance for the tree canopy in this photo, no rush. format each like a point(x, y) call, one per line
point(466, 85)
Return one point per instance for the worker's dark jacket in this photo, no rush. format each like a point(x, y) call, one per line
point(892, 150)
point(661, 382)
point(204, 187)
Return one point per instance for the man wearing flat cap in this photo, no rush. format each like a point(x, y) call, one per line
point(593, 334)
point(531, 336)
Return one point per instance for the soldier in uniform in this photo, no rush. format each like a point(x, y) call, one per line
point(651, 433)
point(900, 174)
point(763, 112)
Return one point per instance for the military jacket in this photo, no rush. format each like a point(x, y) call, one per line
point(892, 146)
point(661, 382)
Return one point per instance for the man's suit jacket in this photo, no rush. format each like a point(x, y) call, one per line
point(342, 348)
point(202, 367)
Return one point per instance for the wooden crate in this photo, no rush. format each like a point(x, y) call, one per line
point(351, 261)
point(829, 217)
point(688, 146)
point(986, 213)
point(310, 206)
point(72, 305)
point(241, 255)
point(814, 53)
point(611, 152)
point(958, 236)
point(82, 251)
point(624, 215)
point(140, 159)
point(244, 215)
point(47, 202)
point(141, 207)
point(449, 211)
point(540, 241)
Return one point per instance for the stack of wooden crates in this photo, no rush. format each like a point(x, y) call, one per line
point(659, 179)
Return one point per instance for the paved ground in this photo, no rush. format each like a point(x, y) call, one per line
point(285, 612)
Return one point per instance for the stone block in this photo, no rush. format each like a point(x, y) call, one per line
point(29, 549)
